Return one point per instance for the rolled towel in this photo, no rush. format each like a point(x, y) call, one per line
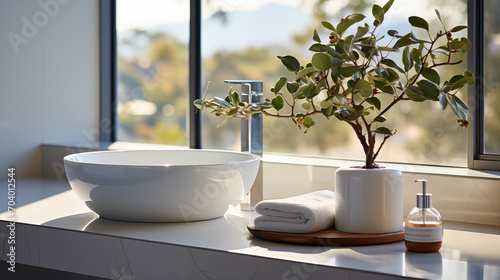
point(305, 213)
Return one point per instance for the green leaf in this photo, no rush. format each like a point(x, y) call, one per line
point(277, 102)
point(223, 102)
point(361, 31)
point(310, 91)
point(290, 62)
point(299, 94)
point(378, 13)
point(443, 101)
point(232, 111)
point(458, 28)
point(279, 85)
point(349, 113)
point(465, 81)
point(348, 70)
point(455, 78)
point(325, 103)
point(391, 63)
point(392, 32)
point(459, 112)
point(348, 44)
point(335, 74)
point(331, 51)
point(306, 106)
point(375, 102)
point(328, 25)
point(388, 5)
point(393, 75)
point(418, 22)
point(386, 49)
point(329, 111)
point(383, 130)
point(321, 61)
point(381, 72)
point(429, 89)
point(317, 47)
point(308, 120)
point(432, 75)
point(415, 55)
point(407, 61)
point(456, 44)
point(345, 23)
point(363, 88)
point(383, 86)
point(292, 87)
point(404, 41)
point(440, 18)
point(316, 36)
point(415, 94)
point(305, 71)
point(380, 119)
point(461, 103)
point(467, 45)
point(263, 105)
point(337, 62)
point(235, 98)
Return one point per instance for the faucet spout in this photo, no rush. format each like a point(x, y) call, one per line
point(251, 131)
point(252, 136)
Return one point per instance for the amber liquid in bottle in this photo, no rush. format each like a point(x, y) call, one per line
point(423, 247)
point(424, 226)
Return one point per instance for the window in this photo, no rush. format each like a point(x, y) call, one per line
point(241, 39)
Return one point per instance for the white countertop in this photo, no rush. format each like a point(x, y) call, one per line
point(469, 251)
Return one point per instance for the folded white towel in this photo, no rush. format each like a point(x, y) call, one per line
point(305, 213)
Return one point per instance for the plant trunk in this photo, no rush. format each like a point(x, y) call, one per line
point(367, 142)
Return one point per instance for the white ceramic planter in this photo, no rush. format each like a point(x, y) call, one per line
point(368, 200)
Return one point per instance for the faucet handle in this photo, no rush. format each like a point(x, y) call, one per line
point(255, 85)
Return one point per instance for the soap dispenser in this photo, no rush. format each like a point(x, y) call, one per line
point(423, 226)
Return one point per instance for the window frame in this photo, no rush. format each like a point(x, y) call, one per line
point(476, 159)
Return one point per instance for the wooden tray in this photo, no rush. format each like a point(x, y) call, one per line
point(328, 237)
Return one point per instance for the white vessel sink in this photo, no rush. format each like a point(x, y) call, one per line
point(161, 185)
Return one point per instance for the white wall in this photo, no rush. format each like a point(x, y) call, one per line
point(49, 78)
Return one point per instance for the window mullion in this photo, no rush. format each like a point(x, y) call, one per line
point(195, 77)
point(476, 92)
point(108, 65)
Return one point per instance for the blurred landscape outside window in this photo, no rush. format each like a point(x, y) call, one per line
point(241, 40)
point(153, 90)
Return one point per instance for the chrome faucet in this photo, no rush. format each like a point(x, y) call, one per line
point(251, 136)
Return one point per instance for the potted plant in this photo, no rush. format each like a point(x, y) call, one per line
point(345, 80)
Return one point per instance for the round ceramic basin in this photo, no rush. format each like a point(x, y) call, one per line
point(161, 185)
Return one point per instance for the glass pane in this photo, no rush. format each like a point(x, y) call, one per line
point(491, 77)
point(242, 39)
point(153, 71)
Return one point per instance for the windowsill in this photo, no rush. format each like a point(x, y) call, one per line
point(460, 194)
point(291, 159)
point(406, 168)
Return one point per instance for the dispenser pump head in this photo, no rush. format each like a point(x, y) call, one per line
point(424, 199)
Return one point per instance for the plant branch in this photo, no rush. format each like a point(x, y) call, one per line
point(381, 145)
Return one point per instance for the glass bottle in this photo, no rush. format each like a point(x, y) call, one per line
point(423, 226)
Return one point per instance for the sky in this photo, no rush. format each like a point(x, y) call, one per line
point(134, 13)
point(255, 23)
